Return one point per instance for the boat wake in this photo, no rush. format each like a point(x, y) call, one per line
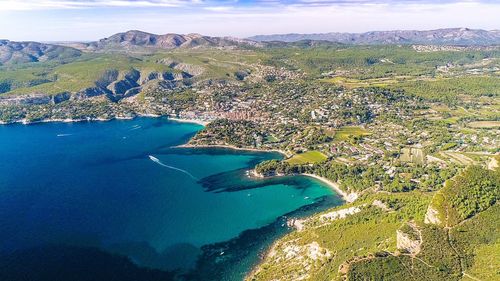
point(135, 127)
point(157, 161)
point(64, 135)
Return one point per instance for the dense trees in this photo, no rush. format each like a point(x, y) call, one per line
point(229, 132)
point(472, 191)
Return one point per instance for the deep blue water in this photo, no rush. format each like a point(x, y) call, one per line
point(94, 185)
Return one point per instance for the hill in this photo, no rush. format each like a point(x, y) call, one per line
point(448, 36)
point(135, 40)
point(24, 52)
point(465, 195)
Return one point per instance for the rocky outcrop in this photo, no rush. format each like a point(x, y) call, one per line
point(112, 83)
point(432, 216)
point(108, 77)
point(58, 98)
point(408, 239)
point(295, 261)
point(190, 69)
point(122, 88)
point(340, 214)
point(31, 99)
point(89, 93)
point(168, 61)
point(34, 99)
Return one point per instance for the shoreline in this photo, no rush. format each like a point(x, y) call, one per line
point(348, 197)
point(69, 120)
point(187, 145)
point(189, 120)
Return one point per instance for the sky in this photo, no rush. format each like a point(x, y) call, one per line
point(88, 20)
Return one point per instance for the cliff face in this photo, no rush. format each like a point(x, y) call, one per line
point(113, 84)
point(407, 244)
point(33, 99)
point(432, 216)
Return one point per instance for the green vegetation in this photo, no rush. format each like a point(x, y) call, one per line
point(436, 261)
point(472, 191)
point(389, 123)
point(309, 157)
point(447, 90)
point(350, 132)
point(238, 134)
point(477, 241)
point(414, 155)
point(371, 230)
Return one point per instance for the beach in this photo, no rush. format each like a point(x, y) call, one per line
point(189, 120)
point(348, 197)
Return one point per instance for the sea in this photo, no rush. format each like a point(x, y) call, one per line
point(118, 200)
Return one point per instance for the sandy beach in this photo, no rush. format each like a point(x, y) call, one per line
point(351, 197)
point(187, 120)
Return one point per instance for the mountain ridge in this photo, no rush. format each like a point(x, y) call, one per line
point(12, 52)
point(133, 40)
point(444, 36)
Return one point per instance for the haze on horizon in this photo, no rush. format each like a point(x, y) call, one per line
point(86, 20)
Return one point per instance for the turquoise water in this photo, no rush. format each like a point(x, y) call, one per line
point(120, 187)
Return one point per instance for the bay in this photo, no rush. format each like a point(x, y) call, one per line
point(123, 188)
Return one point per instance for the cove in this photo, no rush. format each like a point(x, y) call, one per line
point(122, 188)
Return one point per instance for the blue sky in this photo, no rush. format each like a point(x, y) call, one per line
point(72, 20)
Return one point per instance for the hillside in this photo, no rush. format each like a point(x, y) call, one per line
point(25, 52)
point(464, 196)
point(449, 36)
point(382, 236)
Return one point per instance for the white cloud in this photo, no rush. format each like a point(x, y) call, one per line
point(21, 5)
point(230, 19)
point(219, 8)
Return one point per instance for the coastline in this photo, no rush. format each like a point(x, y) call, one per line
point(187, 145)
point(348, 197)
point(189, 120)
point(70, 120)
point(335, 186)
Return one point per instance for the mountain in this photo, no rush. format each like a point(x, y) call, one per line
point(448, 36)
point(135, 40)
point(22, 52)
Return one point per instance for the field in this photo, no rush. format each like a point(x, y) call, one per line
point(358, 83)
point(347, 132)
point(309, 157)
point(484, 124)
point(415, 155)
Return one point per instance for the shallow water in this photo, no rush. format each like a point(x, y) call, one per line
point(120, 187)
